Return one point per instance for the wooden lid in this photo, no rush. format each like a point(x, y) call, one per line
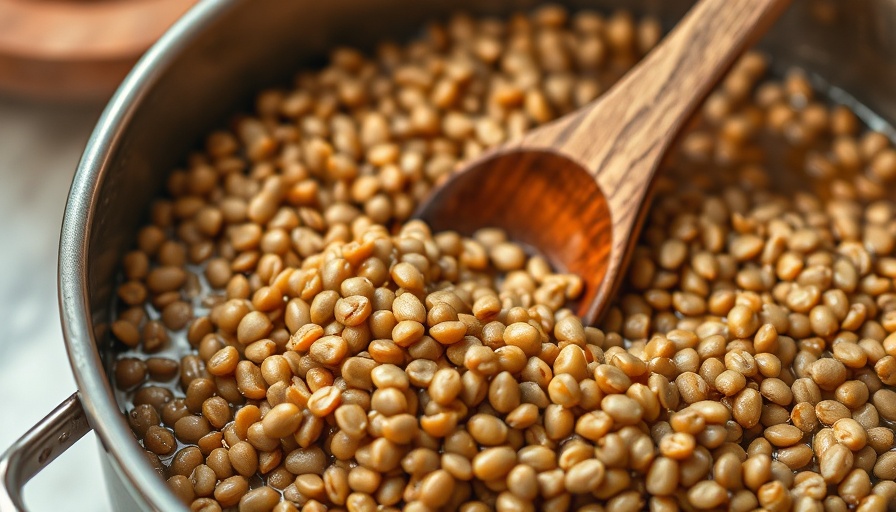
point(77, 49)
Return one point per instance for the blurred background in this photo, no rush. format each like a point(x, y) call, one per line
point(60, 61)
point(40, 144)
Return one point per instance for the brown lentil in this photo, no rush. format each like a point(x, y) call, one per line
point(357, 367)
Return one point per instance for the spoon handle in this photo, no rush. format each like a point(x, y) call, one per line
point(621, 137)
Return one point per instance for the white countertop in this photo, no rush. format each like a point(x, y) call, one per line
point(40, 145)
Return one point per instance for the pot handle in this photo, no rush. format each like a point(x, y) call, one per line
point(40, 446)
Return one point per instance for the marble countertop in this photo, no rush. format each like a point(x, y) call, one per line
point(40, 145)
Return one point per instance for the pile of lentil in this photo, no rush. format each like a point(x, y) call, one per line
point(289, 341)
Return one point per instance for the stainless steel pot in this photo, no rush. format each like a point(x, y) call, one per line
point(207, 66)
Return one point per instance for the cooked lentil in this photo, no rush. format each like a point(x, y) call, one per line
point(335, 354)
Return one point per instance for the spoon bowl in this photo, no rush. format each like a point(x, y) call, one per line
point(542, 199)
point(576, 190)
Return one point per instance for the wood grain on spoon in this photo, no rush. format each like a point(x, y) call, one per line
point(577, 189)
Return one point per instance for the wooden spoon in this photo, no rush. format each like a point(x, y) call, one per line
point(577, 189)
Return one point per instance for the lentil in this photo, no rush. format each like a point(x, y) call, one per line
point(352, 359)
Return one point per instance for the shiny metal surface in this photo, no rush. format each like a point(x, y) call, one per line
point(209, 64)
point(40, 446)
point(98, 223)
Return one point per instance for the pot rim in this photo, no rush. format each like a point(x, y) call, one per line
point(94, 388)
